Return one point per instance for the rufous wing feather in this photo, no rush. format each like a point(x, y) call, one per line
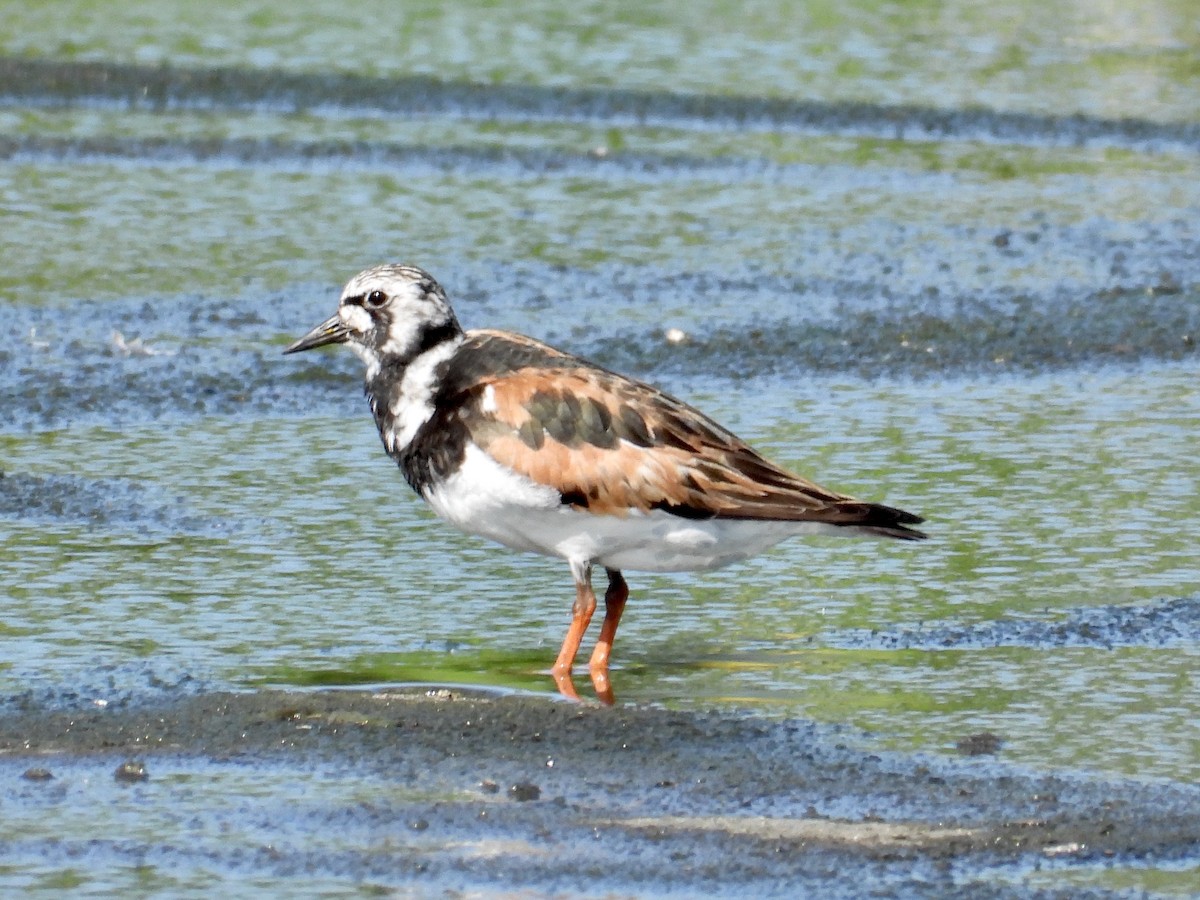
point(613, 445)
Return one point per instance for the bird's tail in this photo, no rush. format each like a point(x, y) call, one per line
point(876, 519)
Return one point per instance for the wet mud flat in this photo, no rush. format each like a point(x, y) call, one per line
point(452, 789)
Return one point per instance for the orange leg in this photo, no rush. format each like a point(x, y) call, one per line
point(614, 605)
point(581, 616)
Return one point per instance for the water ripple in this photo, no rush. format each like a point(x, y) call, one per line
point(1165, 623)
point(55, 83)
point(133, 360)
point(106, 503)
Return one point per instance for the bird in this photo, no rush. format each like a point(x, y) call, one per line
point(540, 450)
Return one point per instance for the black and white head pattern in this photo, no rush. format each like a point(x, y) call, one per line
point(394, 313)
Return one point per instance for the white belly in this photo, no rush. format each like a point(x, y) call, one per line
point(486, 499)
point(654, 542)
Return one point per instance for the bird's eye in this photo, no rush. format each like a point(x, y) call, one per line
point(376, 299)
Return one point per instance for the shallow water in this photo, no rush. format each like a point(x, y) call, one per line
point(976, 297)
point(279, 549)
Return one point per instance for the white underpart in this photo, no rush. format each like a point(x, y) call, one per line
point(489, 500)
point(482, 496)
point(414, 404)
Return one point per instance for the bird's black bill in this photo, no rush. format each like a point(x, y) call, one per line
point(331, 331)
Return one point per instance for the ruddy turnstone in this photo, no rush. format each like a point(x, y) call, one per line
point(511, 439)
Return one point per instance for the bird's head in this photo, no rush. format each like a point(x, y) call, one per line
point(387, 314)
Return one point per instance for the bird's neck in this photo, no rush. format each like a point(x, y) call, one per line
point(403, 390)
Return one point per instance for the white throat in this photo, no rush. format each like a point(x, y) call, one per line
point(369, 357)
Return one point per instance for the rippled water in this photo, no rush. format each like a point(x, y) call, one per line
point(280, 548)
point(945, 259)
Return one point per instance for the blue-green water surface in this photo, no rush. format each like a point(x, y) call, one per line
point(938, 255)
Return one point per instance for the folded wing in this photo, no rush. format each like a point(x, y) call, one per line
point(614, 446)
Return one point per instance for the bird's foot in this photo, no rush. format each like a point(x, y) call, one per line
point(600, 681)
point(603, 685)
